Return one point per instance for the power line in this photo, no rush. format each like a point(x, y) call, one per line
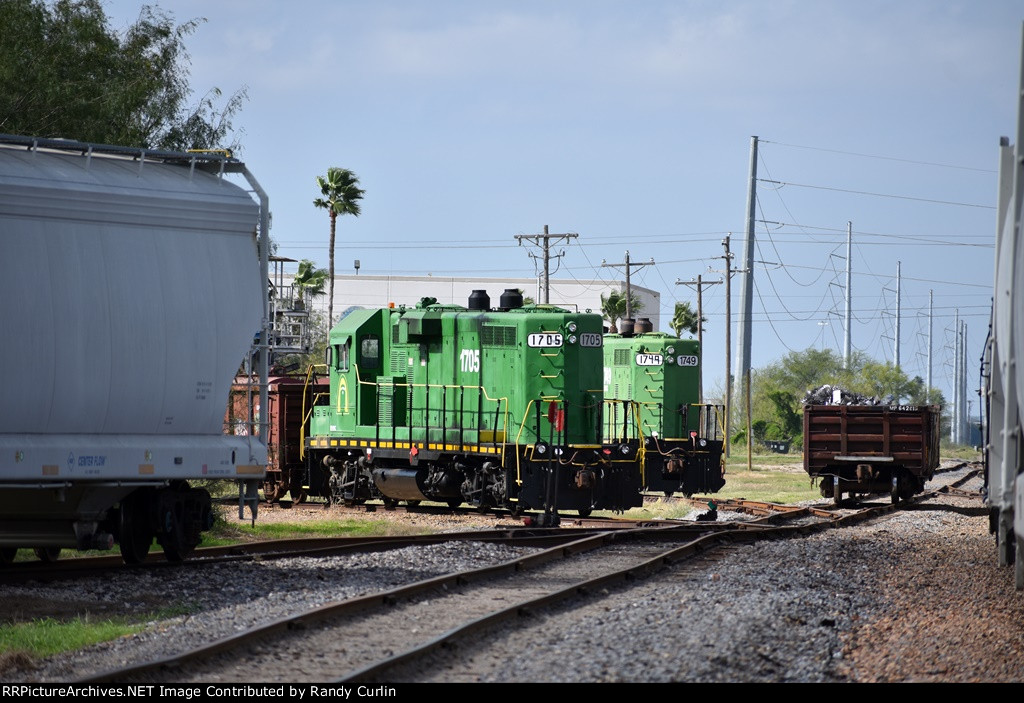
point(880, 195)
point(885, 158)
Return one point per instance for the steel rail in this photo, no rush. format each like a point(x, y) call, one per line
point(713, 535)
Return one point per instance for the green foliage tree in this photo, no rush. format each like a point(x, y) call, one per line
point(613, 307)
point(885, 380)
point(684, 319)
point(309, 280)
point(778, 389)
point(64, 72)
point(527, 300)
point(341, 195)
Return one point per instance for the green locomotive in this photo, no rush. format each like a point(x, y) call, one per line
point(652, 388)
point(491, 407)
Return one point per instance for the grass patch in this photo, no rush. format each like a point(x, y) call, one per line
point(958, 451)
point(770, 485)
point(226, 533)
point(42, 638)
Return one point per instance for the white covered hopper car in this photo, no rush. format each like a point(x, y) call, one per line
point(1003, 376)
point(131, 288)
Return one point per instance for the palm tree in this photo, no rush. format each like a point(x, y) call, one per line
point(685, 318)
point(341, 196)
point(308, 280)
point(613, 307)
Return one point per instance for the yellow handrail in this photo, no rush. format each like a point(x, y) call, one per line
point(305, 415)
point(487, 396)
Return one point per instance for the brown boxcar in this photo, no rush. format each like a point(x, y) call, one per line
point(286, 469)
point(871, 448)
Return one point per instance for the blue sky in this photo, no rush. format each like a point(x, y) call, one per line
point(630, 124)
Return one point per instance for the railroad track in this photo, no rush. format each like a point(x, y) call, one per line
point(365, 639)
point(82, 567)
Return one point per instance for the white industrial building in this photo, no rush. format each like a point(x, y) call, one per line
point(355, 291)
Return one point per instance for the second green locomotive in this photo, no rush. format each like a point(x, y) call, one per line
point(491, 407)
point(652, 390)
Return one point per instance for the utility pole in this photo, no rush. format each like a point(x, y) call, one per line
point(546, 246)
point(847, 341)
point(699, 283)
point(954, 425)
point(728, 337)
point(747, 291)
point(628, 266)
point(931, 311)
point(964, 418)
point(896, 350)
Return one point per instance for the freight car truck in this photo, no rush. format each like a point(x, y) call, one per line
point(871, 448)
point(131, 288)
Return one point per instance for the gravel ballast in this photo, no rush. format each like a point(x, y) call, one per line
point(915, 596)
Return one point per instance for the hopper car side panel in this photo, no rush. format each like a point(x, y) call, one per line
point(130, 289)
point(1001, 374)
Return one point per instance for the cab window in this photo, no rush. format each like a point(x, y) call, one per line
point(369, 352)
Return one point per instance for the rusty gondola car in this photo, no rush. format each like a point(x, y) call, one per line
point(871, 448)
point(288, 400)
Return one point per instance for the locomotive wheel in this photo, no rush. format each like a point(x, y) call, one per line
point(454, 502)
point(669, 494)
point(47, 554)
point(390, 503)
point(7, 555)
point(585, 512)
point(412, 503)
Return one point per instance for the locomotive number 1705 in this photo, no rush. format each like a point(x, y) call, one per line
point(544, 339)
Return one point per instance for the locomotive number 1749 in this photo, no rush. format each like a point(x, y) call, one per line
point(649, 359)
